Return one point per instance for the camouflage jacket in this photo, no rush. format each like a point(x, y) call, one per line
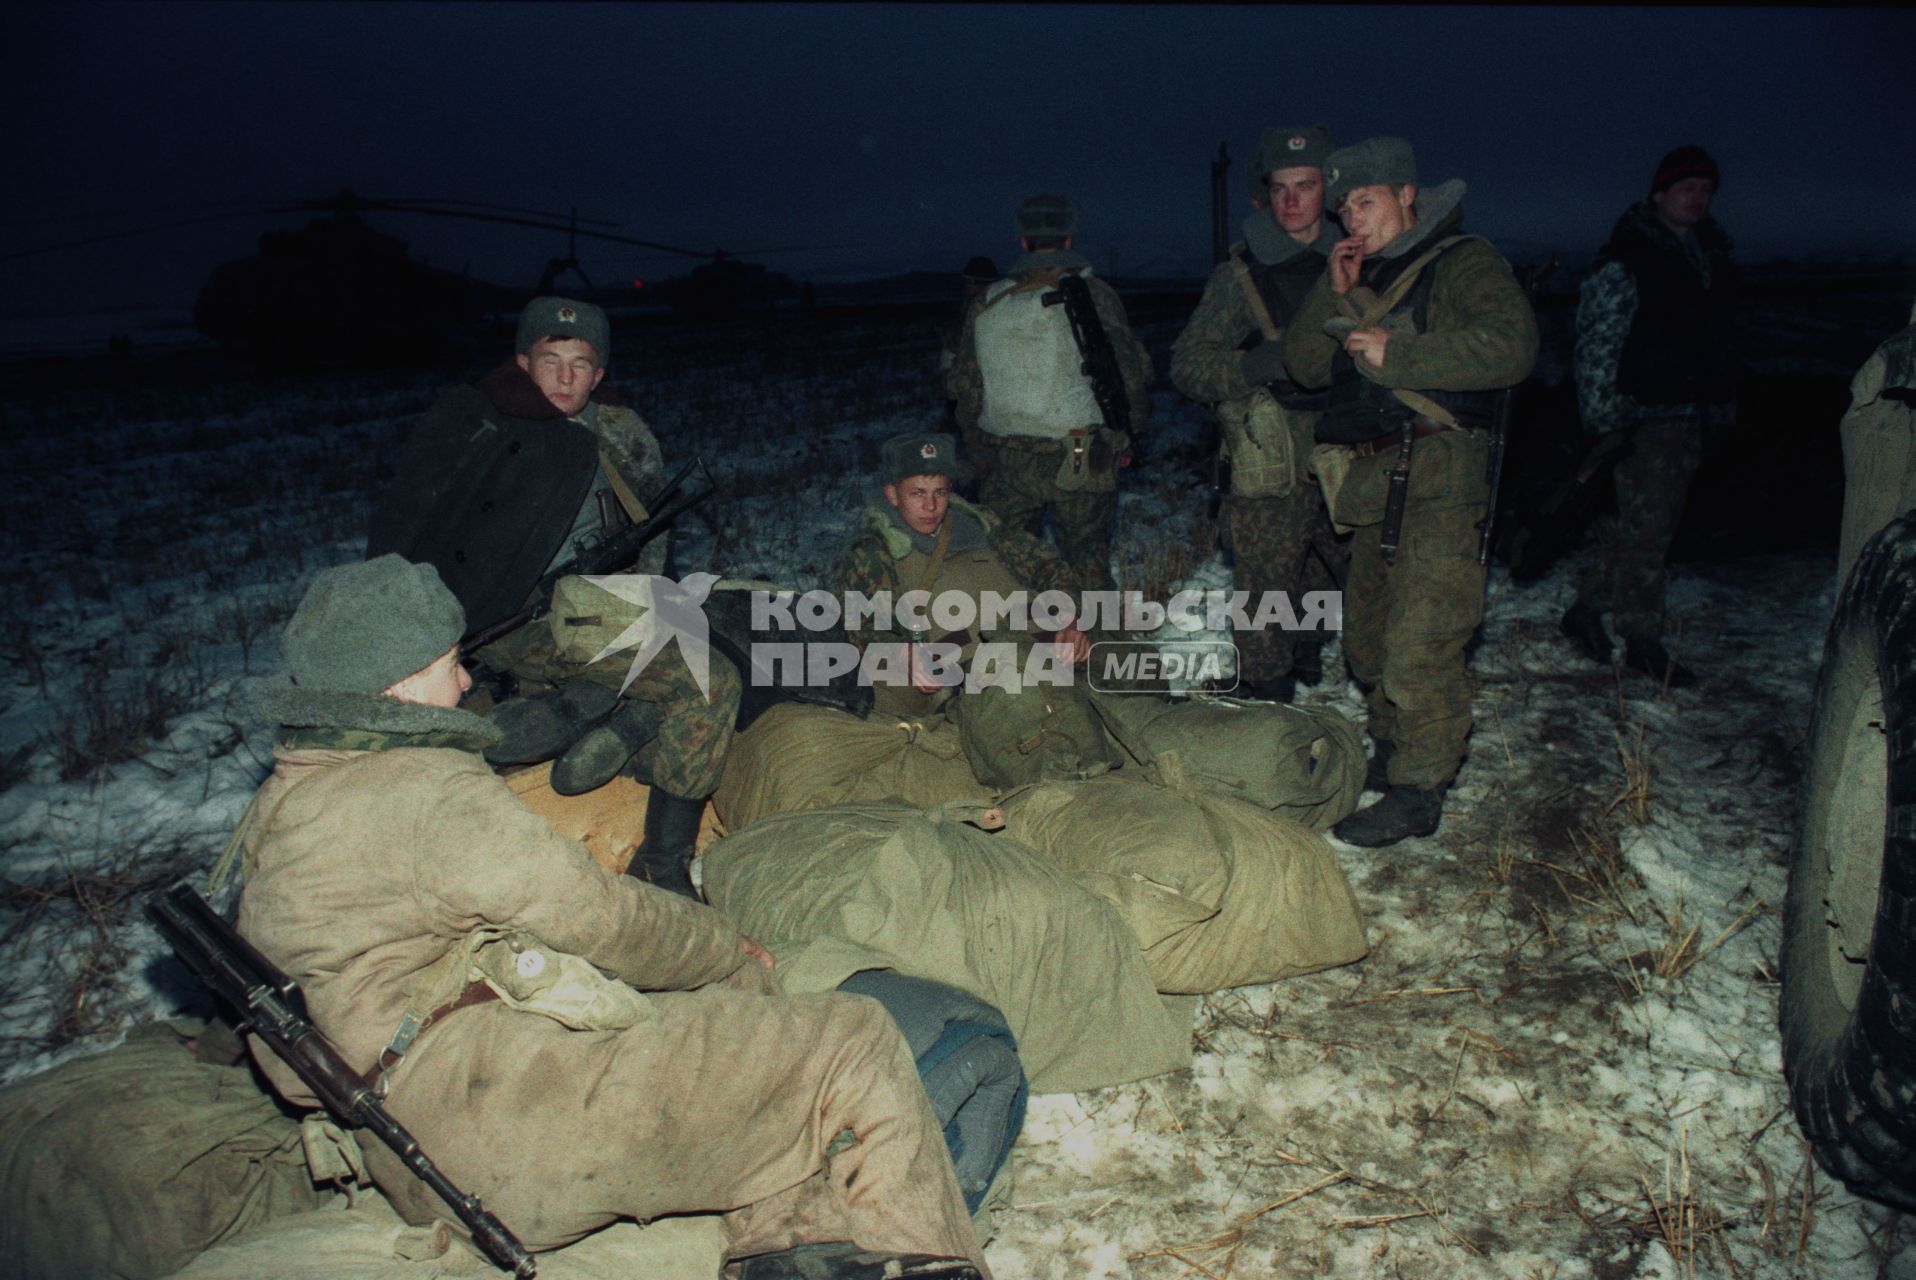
point(869, 563)
point(1480, 334)
point(965, 383)
point(1207, 358)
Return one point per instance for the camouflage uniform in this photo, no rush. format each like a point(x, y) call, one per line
point(1020, 472)
point(1650, 289)
point(1406, 623)
point(1271, 538)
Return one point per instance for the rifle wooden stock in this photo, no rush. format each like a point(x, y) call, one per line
point(268, 1003)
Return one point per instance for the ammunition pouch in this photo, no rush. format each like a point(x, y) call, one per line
point(1090, 461)
point(1265, 444)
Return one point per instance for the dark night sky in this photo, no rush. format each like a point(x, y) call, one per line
point(906, 134)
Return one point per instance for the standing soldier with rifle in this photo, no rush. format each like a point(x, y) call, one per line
point(481, 976)
point(1656, 363)
point(504, 482)
point(1231, 354)
point(1414, 329)
point(1051, 389)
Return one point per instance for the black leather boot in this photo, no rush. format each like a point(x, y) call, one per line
point(842, 1260)
point(671, 837)
point(1653, 660)
point(598, 756)
point(1402, 813)
point(1584, 624)
point(1307, 663)
point(540, 728)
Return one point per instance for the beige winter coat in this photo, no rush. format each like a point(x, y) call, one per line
point(368, 866)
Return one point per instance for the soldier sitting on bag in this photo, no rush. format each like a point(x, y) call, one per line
point(507, 480)
point(1026, 407)
point(922, 538)
point(487, 972)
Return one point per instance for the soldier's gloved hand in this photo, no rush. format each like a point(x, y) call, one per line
point(1263, 363)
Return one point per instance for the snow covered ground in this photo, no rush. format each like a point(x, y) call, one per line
point(1559, 1061)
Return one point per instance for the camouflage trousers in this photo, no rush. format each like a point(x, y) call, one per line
point(688, 755)
point(1022, 483)
point(1652, 483)
point(1406, 623)
point(1280, 544)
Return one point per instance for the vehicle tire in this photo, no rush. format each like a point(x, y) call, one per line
point(1848, 963)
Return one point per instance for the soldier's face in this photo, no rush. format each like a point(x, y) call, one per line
point(567, 371)
point(1295, 198)
point(921, 501)
point(442, 684)
point(1684, 204)
point(1378, 214)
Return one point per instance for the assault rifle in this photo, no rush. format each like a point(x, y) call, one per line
point(1531, 281)
point(614, 552)
point(269, 1004)
point(1094, 344)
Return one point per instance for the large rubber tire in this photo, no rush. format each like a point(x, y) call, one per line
point(1849, 931)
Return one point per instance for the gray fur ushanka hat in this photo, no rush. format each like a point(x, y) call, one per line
point(361, 628)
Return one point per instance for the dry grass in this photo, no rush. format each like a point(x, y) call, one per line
point(1681, 1219)
point(1633, 797)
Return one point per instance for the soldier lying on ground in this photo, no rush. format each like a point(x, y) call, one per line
point(387, 867)
point(505, 481)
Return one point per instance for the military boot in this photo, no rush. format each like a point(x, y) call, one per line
point(1377, 771)
point(841, 1260)
point(597, 757)
point(540, 728)
point(1584, 624)
point(1402, 813)
point(1653, 660)
point(664, 858)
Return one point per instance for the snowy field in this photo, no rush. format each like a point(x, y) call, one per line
point(1559, 1060)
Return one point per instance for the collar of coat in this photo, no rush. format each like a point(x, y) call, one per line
point(971, 528)
point(1641, 226)
point(1271, 244)
point(1439, 211)
point(513, 393)
point(1055, 259)
point(367, 721)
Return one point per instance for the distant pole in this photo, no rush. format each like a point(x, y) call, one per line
point(1220, 196)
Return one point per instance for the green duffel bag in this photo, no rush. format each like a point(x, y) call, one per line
point(1031, 734)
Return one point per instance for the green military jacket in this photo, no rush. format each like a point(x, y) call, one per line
point(1481, 334)
point(870, 562)
point(1207, 358)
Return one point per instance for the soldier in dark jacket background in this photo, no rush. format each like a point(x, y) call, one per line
point(1656, 357)
point(1231, 355)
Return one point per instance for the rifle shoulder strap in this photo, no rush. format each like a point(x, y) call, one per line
point(634, 509)
point(1044, 278)
point(1401, 287)
point(1259, 312)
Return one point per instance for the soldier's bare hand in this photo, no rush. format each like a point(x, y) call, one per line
point(921, 677)
point(757, 953)
point(1073, 644)
point(1368, 344)
point(1347, 259)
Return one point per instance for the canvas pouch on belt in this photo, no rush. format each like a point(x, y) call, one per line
point(1262, 440)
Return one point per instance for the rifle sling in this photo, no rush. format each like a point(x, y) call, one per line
point(634, 509)
point(1259, 312)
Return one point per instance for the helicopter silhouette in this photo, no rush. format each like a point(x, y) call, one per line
point(339, 291)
